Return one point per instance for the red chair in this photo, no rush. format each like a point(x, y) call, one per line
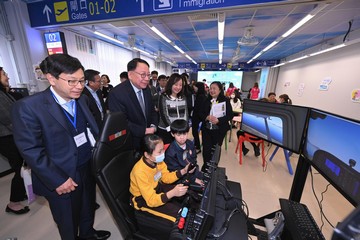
point(249, 138)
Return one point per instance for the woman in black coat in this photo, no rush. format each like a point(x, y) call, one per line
point(200, 98)
point(214, 127)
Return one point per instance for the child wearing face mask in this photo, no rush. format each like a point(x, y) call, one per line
point(235, 101)
point(151, 182)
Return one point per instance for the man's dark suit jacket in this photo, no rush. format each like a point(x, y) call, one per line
point(123, 99)
point(93, 106)
point(43, 137)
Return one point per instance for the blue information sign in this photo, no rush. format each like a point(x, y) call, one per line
point(49, 12)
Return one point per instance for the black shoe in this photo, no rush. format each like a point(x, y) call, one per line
point(99, 235)
point(97, 206)
point(17, 212)
point(257, 151)
point(245, 151)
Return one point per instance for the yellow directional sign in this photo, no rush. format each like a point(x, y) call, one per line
point(61, 11)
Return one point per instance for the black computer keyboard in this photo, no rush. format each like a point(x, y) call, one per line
point(299, 221)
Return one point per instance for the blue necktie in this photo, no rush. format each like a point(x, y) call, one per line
point(70, 107)
point(141, 101)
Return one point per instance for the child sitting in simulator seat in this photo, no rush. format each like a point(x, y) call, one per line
point(151, 182)
point(181, 151)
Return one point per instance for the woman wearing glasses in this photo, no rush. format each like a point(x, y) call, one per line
point(9, 150)
point(172, 106)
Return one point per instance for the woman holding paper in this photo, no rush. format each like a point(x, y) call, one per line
point(216, 114)
point(9, 150)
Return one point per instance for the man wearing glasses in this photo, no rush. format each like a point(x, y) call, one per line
point(55, 131)
point(133, 98)
point(92, 90)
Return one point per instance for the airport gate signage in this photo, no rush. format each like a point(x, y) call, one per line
point(51, 13)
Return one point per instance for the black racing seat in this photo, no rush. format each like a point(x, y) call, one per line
point(112, 161)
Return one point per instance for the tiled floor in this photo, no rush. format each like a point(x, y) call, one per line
point(260, 189)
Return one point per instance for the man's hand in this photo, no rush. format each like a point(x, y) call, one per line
point(149, 130)
point(66, 187)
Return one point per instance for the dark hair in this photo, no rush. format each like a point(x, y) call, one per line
point(231, 85)
point(220, 86)
point(131, 66)
point(154, 72)
point(201, 88)
point(185, 75)
point(174, 78)
point(179, 126)
point(124, 75)
point(60, 63)
point(161, 77)
point(271, 93)
point(286, 98)
point(90, 75)
point(107, 77)
point(237, 95)
point(256, 85)
point(149, 143)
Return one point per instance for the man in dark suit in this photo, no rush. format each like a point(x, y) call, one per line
point(55, 132)
point(92, 90)
point(133, 98)
point(162, 84)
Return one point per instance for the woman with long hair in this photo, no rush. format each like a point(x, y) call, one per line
point(9, 149)
point(172, 106)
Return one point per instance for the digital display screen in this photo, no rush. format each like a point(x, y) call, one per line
point(222, 76)
point(334, 150)
point(55, 42)
point(281, 124)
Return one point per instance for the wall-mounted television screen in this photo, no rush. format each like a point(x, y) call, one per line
point(333, 148)
point(222, 76)
point(281, 124)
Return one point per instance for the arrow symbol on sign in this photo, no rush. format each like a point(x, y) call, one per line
point(47, 10)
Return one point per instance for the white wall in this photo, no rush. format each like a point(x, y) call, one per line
point(342, 66)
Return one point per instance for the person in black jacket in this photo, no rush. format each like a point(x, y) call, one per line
point(215, 123)
point(200, 98)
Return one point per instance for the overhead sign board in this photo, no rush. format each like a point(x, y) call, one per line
point(50, 13)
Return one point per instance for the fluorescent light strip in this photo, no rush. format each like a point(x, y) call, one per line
point(108, 37)
point(328, 49)
point(299, 24)
point(271, 45)
point(179, 49)
point(278, 65)
point(160, 34)
point(298, 59)
point(221, 30)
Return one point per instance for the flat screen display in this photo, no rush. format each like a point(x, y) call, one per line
point(55, 42)
point(281, 124)
point(222, 76)
point(333, 148)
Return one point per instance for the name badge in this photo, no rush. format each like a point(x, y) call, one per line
point(80, 139)
point(157, 176)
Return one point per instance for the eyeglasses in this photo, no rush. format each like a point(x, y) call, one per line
point(143, 75)
point(73, 83)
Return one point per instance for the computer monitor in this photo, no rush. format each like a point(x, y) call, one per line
point(281, 124)
point(333, 148)
point(208, 204)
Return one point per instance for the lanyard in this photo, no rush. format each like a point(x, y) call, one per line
point(73, 122)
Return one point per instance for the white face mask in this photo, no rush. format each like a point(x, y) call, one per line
point(232, 96)
point(160, 158)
